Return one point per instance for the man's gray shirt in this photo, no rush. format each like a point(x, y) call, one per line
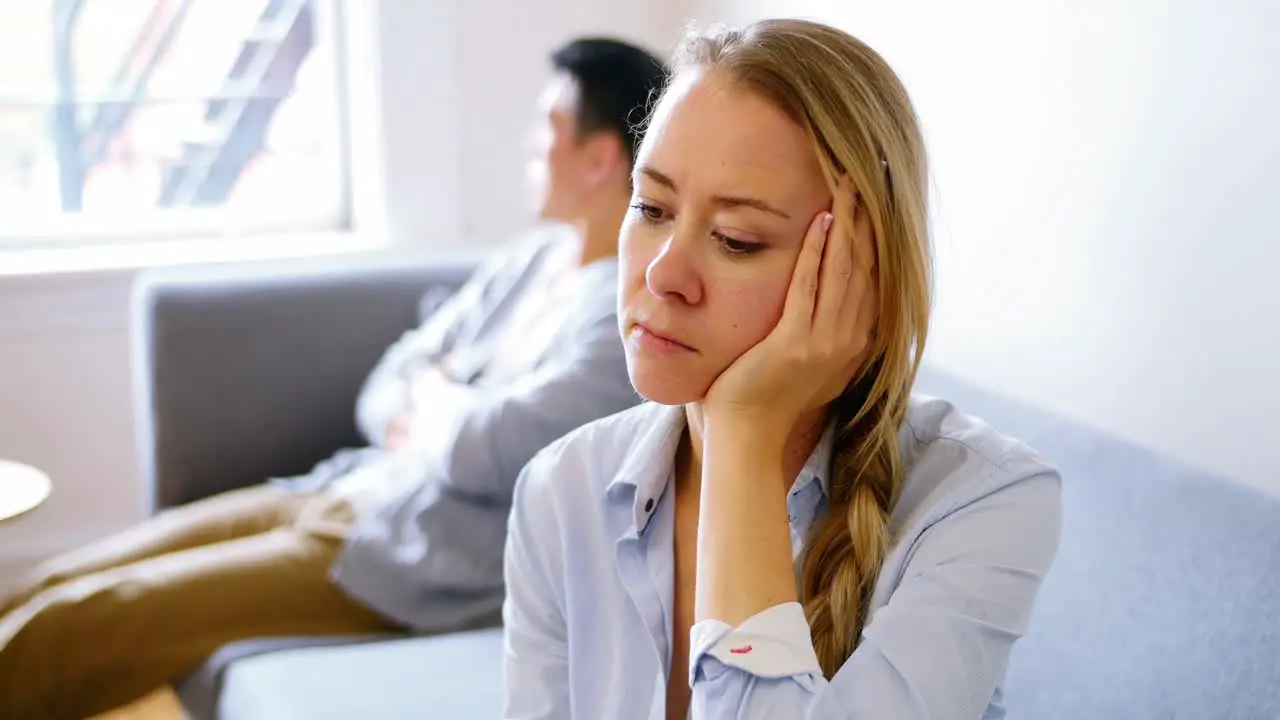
point(428, 554)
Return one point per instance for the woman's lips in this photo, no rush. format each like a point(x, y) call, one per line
point(652, 339)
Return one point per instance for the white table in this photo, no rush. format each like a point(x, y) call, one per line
point(22, 489)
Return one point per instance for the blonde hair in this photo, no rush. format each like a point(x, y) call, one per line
point(862, 125)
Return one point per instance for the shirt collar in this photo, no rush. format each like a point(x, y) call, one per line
point(818, 467)
point(649, 461)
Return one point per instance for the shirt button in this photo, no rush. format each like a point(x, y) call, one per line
point(648, 505)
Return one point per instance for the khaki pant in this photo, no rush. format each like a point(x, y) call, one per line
point(107, 624)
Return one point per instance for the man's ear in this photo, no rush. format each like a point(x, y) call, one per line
point(605, 155)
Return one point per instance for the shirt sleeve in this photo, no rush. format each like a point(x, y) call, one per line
point(482, 437)
point(385, 392)
point(936, 651)
point(535, 651)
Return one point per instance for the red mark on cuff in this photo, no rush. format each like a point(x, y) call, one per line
point(740, 651)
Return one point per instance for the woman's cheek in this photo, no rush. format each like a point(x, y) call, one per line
point(756, 311)
point(633, 253)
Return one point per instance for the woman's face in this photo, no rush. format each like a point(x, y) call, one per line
point(725, 187)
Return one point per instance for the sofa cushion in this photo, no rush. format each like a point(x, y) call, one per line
point(1162, 601)
point(201, 691)
point(458, 675)
point(1161, 605)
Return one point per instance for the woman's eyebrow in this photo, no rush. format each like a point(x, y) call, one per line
point(722, 200)
point(733, 202)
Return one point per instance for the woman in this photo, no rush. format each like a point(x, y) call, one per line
point(784, 531)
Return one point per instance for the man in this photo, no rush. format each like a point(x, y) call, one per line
point(407, 533)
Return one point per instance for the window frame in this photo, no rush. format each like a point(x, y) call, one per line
point(64, 230)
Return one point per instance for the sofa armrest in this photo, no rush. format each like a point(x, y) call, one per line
point(242, 375)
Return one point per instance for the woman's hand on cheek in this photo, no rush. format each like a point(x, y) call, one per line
point(824, 334)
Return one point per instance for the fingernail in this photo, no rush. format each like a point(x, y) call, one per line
point(827, 219)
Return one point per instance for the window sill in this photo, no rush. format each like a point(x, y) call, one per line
point(76, 288)
point(28, 262)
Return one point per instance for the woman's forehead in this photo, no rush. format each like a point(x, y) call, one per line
point(709, 132)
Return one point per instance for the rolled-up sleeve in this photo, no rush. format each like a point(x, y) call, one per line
point(483, 437)
point(385, 392)
point(936, 651)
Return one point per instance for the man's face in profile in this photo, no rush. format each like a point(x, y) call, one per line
point(556, 169)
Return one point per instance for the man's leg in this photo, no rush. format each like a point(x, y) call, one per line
point(227, 516)
point(108, 638)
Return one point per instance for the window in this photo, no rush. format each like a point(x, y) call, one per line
point(129, 118)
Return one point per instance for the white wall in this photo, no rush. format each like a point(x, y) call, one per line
point(1107, 223)
point(64, 406)
point(441, 92)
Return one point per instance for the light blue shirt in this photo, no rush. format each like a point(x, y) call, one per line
point(589, 571)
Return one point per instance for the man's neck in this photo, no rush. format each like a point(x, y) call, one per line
point(599, 231)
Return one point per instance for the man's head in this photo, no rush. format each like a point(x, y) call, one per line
point(588, 126)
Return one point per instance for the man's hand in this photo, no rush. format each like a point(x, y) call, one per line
point(398, 432)
point(423, 385)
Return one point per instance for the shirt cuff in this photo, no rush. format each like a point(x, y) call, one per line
point(773, 643)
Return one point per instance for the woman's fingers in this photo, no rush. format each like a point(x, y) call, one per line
point(837, 269)
point(845, 314)
point(802, 294)
point(861, 310)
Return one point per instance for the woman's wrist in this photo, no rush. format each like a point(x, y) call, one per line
point(745, 430)
point(744, 545)
point(742, 457)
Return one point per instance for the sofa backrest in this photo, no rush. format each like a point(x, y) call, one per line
point(1164, 600)
point(241, 374)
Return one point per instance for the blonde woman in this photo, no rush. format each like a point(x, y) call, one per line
point(784, 531)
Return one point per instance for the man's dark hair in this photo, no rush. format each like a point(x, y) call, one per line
point(617, 82)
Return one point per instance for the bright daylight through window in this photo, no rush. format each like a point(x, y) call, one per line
point(128, 119)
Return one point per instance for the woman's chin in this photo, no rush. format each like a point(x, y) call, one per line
point(665, 390)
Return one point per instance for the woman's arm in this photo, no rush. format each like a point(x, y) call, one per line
point(743, 515)
point(936, 651)
point(754, 406)
point(536, 654)
point(749, 631)
point(939, 647)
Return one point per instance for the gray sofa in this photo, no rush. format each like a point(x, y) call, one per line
point(1164, 602)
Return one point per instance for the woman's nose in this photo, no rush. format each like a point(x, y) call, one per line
point(672, 274)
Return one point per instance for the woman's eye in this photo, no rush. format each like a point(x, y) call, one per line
point(650, 213)
point(736, 247)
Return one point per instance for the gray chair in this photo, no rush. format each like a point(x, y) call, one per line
point(1162, 604)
